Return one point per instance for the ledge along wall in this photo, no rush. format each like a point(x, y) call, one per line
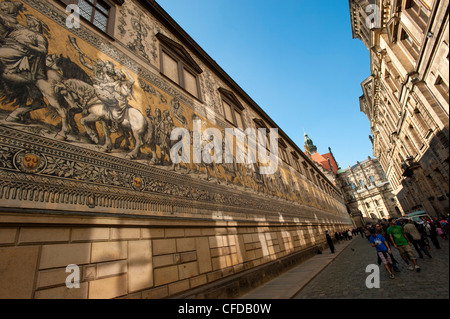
point(136, 226)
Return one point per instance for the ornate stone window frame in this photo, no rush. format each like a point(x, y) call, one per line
point(236, 107)
point(259, 123)
point(407, 41)
point(283, 151)
point(418, 13)
point(296, 159)
point(185, 63)
point(111, 16)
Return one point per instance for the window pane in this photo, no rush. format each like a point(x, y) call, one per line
point(100, 21)
point(284, 155)
point(103, 7)
point(190, 83)
point(228, 114)
point(85, 9)
point(240, 124)
point(424, 16)
point(405, 36)
point(413, 5)
point(170, 68)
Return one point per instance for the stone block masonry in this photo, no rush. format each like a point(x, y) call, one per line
point(148, 258)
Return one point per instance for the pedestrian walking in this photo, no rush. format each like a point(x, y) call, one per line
point(402, 243)
point(350, 235)
point(336, 236)
point(345, 234)
point(433, 234)
point(367, 232)
point(416, 238)
point(383, 250)
point(439, 228)
point(329, 241)
point(379, 229)
point(421, 227)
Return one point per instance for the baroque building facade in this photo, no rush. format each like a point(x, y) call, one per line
point(87, 170)
point(368, 194)
point(406, 97)
point(325, 162)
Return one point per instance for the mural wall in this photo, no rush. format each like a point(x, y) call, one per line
point(71, 92)
point(86, 178)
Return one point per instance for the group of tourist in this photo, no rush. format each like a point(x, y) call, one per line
point(402, 234)
point(345, 235)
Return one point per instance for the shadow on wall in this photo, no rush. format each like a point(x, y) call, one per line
point(426, 185)
point(124, 258)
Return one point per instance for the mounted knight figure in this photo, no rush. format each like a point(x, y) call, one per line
point(107, 101)
point(23, 55)
point(28, 76)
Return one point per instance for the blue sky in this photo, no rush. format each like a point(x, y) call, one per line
point(295, 58)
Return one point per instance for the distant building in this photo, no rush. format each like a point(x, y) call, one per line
point(406, 97)
point(325, 162)
point(367, 193)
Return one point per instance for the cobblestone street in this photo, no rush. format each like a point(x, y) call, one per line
point(345, 277)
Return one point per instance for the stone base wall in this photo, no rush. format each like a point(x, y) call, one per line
point(148, 257)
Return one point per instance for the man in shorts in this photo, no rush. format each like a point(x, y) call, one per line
point(402, 243)
point(383, 250)
point(381, 230)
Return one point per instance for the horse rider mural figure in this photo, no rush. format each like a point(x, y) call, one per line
point(23, 54)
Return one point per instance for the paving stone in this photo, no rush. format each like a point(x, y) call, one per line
point(343, 276)
point(348, 269)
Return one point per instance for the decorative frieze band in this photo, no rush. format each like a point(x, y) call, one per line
point(37, 170)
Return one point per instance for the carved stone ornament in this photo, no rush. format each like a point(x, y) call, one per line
point(30, 161)
point(138, 183)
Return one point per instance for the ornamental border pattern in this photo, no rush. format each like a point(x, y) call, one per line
point(161, 192)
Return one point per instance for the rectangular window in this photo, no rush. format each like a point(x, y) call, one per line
point(297, 165)
point(178, 66)
point(232, 114)
point(313, 177)
point(170, 67)
point(296, 160)
point(190, 83)
point(306, 171)
point(228, 112)
point(442, 87)
point(419, 13)
point(410, 44)
point(239, 122)
point(284, 155)
point(97, 12)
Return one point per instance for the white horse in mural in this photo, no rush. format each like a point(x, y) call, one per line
point(79, 94)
